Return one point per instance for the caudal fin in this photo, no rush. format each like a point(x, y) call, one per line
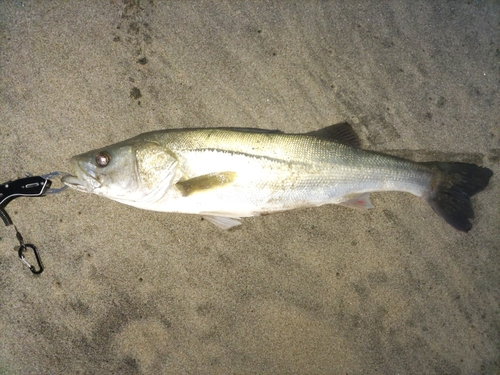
point(451, 189)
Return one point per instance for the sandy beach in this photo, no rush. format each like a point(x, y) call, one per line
point(328, 290)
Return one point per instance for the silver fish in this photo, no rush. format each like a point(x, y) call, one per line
point(225, 174)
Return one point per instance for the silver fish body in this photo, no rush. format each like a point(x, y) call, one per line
point(225, 174)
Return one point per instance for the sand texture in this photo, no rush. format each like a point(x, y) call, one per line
point(329, 290)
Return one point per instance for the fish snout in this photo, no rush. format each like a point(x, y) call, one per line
point(84, 179)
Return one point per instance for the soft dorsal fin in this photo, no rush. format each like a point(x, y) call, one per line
point(342, 132)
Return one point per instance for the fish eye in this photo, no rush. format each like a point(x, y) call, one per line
point(102, 159)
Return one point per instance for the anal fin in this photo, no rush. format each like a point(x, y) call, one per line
point(361, 201)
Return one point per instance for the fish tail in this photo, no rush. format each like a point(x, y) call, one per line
point(451, 189)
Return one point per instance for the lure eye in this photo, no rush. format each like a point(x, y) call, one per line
point(102, 159)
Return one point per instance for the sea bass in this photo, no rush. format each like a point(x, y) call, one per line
point(225, 174)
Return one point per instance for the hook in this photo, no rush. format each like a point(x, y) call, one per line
point(32, 268)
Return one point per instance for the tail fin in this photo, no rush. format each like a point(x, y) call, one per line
point(451, 189)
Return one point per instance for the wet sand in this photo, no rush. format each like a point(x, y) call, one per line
point(314, 291)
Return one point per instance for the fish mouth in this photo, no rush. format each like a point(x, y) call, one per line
point(85, 179)
point(74, 182)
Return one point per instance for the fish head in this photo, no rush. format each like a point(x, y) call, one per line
point(129, 171)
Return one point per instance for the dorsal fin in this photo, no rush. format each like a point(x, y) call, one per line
point(342, 132)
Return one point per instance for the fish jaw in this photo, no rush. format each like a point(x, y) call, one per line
point(84, 179)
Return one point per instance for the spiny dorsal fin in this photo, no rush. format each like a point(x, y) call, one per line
point(342, 132)
point(206, 182)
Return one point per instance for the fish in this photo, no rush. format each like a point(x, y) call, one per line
point(225, 174)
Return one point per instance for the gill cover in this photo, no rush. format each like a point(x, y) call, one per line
point(156, 170)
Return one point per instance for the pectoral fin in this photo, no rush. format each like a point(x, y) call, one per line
point(361, 201)
point(206, 182)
